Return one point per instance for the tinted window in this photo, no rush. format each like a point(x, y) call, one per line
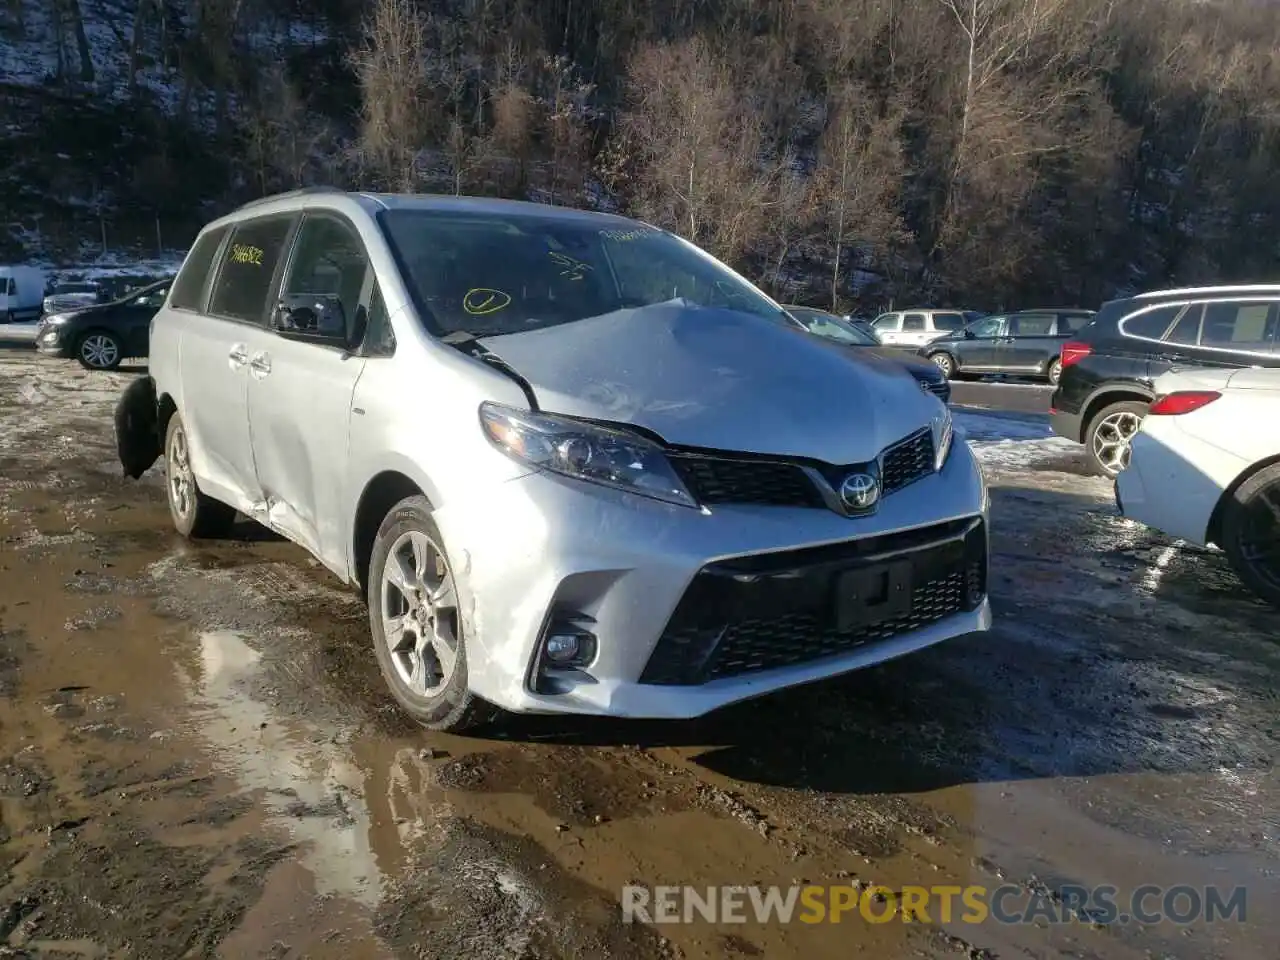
point(1244, 325)
point(887, 322)
point(988, 327)
point(379, 339)
point(188, 288)
point(913, 321)
point(1187, 329)
point(328, 261)
point(1071, 322)
point(244, 279)
point(1031, 325)
point(1153, 323)
point(948, 321)
point(490, 274)
point(832, 327)
point(11, 288)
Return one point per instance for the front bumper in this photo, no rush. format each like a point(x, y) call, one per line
point(694, 610)
point(50, 341)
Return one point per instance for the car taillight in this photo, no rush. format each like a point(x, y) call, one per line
point(1183, 401)
point(1073, 351)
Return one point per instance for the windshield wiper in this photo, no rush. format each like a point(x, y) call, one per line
point(470, 344)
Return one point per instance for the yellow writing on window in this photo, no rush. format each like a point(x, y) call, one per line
point(243, 253)
point(482, 300)
point(622, 236)
point(573, 269)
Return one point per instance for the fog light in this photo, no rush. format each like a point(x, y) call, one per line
point(563, 647)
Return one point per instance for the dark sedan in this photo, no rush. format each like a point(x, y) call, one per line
point(850, 334)
point(1027, 343)
point(101, 336)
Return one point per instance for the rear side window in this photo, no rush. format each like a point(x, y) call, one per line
point(913, 321)
point(1187, 330)
point(1031, 325)
point(948, 321)
point(248, 267)
point(1072, 322)
point(188, 289)
point(1243, 325)
point(1151, 324)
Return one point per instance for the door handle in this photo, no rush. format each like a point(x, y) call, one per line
point(260, 365)
point(238, 356)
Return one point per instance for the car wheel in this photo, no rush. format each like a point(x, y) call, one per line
point(1110, 433)
point(416, 621)
point(1054, 372)
point(944, 363)
point(1251, 533)
point(195, 514)
point(99, 350)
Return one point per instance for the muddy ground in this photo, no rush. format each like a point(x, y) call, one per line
point(197, 757)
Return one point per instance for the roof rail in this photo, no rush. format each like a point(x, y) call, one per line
point(289, 194)
point(1220, 288)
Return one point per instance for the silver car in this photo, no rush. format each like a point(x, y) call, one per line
point(575, 464)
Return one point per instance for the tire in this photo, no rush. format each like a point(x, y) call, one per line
point(1108, 451)
point(195, 515)
point(1054, 371)
point(1247, 516)
point(409, 555)
point(99, 350)
point(943, 362)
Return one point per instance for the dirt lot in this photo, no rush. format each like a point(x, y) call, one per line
point(197, 757)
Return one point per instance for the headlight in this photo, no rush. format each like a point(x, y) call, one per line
point(943, 434)
point(584, 451)
point(56, 318)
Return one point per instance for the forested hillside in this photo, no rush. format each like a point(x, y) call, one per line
point(982, 152)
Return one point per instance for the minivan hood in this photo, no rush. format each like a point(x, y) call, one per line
point(722, 380)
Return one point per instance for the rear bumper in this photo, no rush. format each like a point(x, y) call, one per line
point(1165, 486)
point(1067, 425)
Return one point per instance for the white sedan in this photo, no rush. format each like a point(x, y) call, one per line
point(1205, 468)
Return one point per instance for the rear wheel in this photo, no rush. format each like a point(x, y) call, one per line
point(944, 363)
point(99, 350)
point(195, 514)
point(1054, 372)
point(1109, 434)
point(416, 622)
point(1251, 533)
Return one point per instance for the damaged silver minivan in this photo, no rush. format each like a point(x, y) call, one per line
point(575, 464)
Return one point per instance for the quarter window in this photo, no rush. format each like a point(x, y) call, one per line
point(1242, 325)
point(1151, 324)
point(379, 339)
point(1187, 330)
point(913, 321)
point(188, 288)
point(248, 267)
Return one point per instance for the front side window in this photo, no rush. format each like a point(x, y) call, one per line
point(832, 327)
point(886, 323)
point(913, 321)
point(248, 266)
point(988, 327)
point(329, 262)
point(493, 274)
point(1241, 325)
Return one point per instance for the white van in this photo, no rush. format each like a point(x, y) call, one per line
point(21, 293)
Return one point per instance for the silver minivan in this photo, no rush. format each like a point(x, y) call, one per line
point(574, 463)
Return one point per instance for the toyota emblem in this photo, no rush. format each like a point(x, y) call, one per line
point(859, 491)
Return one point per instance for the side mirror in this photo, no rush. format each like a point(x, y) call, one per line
point(969, 334)
point(314, 317)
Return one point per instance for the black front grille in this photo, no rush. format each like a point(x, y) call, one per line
point(907, 462)
point(778, 610)
point(939, 388)
point(723, 480)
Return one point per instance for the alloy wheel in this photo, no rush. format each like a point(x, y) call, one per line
point(420, 613)
point(1111, 440)
point(1259, 540)
point(99, 351)
point(182, 482)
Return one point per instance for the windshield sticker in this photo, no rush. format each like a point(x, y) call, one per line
point(624, 236)
point(573, 269)
point(242, 253)
point(483, 300)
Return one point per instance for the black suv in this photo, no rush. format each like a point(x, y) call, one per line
point(1026, 343)
point(1108, 369)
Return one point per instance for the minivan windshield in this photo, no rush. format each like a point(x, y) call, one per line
point(489, 274)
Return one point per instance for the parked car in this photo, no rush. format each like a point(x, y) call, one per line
point(1109, 367)
point(21, 293)
point(843, 331)
point(575, 463)
point(1028, 343)
point(101, 336)
point(918, 326)
point(69, 296)
point(1201, 470)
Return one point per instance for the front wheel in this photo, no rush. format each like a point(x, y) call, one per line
point(99, 350)
point(944, 363)
point(1251, 533)
point(416, 621)
point(1110, 433)
point(195, 514)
